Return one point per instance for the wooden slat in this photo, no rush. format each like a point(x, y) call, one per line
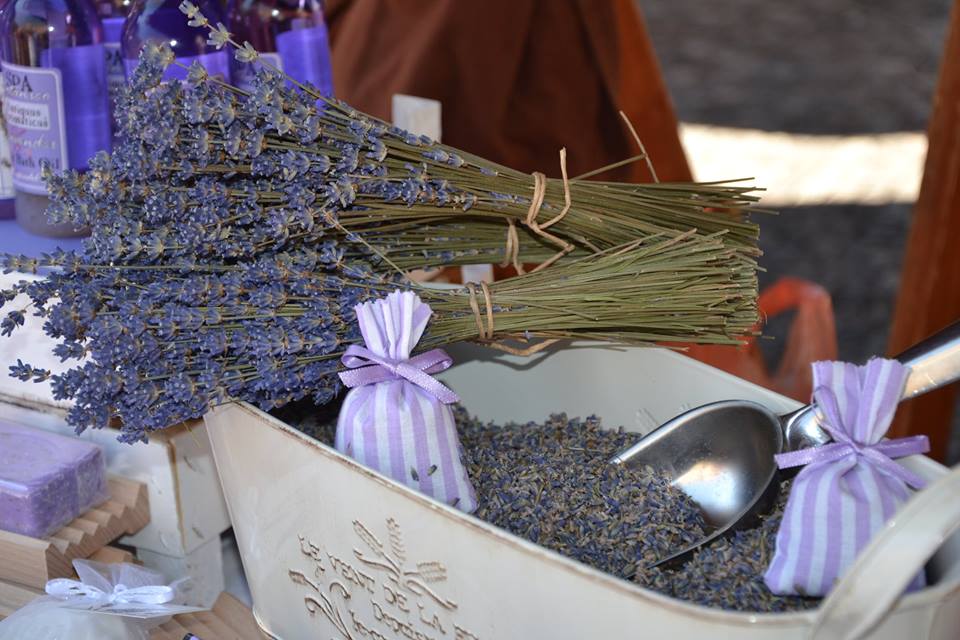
point(13, 596)
point(238, 616)
point(70, 534)
point(175, 628)
point(86, 525)
point(133, 494)
point(99, 516)
point(29, 561)
point(228, 620)
point(32, 562)
point(61, 545)
point(929, 297)
point(112, 555)
point(218, 627)
point(113, 507)
point(193, 624)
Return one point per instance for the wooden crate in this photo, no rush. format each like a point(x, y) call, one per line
point(32, 561)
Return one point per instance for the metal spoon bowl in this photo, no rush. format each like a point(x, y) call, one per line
point(718, 454)
point(721, 454)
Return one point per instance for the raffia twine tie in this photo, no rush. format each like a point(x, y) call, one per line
point(512, 250)
point(485, 322)
point(485, 331)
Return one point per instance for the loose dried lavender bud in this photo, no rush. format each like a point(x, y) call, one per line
point(728, 574)
point(550, 483)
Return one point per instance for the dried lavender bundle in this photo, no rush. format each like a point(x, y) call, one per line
point(233, 234)
point(163, 343)
point(245, 174)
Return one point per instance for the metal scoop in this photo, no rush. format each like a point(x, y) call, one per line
point(721, 454)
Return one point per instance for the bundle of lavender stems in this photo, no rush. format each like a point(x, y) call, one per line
point(233, 232)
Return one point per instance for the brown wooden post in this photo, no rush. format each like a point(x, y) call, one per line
point(929, 297)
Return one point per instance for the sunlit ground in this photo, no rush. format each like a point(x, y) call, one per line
point(798, 169)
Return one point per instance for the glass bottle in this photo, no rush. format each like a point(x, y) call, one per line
point(290, 34)
point(7, 194)
point(113, 13)
point(56, 106)
point(7, 209)
point(162, 20)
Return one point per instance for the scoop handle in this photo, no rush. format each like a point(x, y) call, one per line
point(868, 591)
point(933, 363)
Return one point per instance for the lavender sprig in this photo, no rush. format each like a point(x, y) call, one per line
point(290, 171)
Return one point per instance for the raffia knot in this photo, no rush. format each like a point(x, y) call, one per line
point(512, 250)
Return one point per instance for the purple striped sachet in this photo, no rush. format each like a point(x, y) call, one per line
point(850, 487)
point(396, 419)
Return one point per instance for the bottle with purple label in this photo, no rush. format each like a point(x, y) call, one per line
point(7, 210)
point(162, 21)
point(55, 101)
point(113, 14)
point(289, 34)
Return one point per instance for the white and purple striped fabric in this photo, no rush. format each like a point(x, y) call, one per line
point(396, 419)
point(850, 487)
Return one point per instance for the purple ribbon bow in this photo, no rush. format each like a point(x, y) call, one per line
point(880, 454)
point(366, 367)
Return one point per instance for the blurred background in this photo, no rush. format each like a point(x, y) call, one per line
point(815, 70)
point(791, 78)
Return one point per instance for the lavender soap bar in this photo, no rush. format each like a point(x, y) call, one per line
point(46, 480)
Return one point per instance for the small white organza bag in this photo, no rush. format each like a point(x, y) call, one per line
point(110, 602)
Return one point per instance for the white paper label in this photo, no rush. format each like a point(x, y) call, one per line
point(417, 115)
point(34, 118)
point(6, 166)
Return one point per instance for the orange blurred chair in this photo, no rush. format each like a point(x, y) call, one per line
point(812, 336)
